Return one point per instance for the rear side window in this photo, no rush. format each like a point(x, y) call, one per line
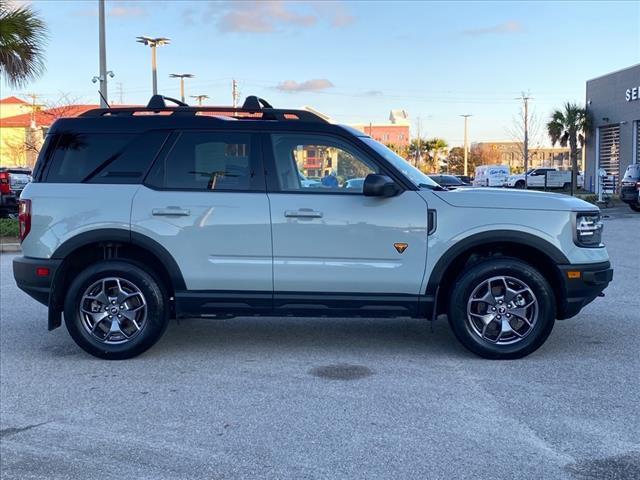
point(207, 161)
point(103, 157)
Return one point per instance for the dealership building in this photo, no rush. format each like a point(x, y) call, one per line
point(613, 101)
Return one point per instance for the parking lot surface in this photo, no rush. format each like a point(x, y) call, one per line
point(327, 398)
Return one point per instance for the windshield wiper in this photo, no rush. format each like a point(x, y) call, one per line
point(431, 187)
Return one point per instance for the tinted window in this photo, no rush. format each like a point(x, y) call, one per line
point(206, 161)
point(131, 164)
point(632, 172)
point(319, 163)
point(449, 180)
point(78, 155)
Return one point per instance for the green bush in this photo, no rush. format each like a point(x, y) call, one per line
point(8, 227)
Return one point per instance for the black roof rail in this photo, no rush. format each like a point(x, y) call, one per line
point(158, 101)
point(254, 108)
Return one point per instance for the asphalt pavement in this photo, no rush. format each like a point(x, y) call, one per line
point(289, 398)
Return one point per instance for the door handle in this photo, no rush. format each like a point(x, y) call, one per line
point(170, 212)
point(302, 213)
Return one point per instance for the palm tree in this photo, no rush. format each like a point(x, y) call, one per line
point(570, 126)
point(435, 147)
point(22, 37)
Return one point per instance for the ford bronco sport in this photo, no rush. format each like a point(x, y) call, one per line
point(139, 215)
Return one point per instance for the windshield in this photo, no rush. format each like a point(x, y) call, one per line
point(416, 177)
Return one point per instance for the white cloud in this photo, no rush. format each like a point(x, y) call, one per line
point(268, 16)
point(510, 26)
point(314, 85)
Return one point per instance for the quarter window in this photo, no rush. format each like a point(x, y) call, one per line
point(334, 167)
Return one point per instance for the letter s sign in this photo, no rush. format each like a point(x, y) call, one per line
point(628, 95)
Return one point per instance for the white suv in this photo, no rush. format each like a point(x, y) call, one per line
point(139, 215)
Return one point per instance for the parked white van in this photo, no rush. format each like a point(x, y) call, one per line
point(491, 175)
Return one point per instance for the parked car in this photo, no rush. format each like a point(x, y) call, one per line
point(152, 216)
point(465, 179)
point(12, 182)
point(491, 176)
point(630, 187)
point(356, 183)
point(550, 178)
point(308, 183)
point(448, 181)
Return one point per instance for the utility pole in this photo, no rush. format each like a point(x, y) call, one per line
point(181, 76)
point(103, 55)
point(120, 93)
point(466, 144)
point(153, 43)
point(234, 93)
point(419, 150)
point(525, 99)
point(200, 98)
point(33, 97)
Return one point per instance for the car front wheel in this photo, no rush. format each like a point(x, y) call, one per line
point(502, 308)
point(116, 310)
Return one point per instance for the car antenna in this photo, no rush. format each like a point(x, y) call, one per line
point(104, 99)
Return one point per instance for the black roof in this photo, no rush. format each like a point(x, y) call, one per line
point(255, 114)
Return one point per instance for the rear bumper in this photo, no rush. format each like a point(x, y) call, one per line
point(9, 202)
point(25, 273)
point(580, 291)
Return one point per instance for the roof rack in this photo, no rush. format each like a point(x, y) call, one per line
point(254, 108)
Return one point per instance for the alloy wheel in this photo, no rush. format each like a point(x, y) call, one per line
point(113, 310)
point(502, 310)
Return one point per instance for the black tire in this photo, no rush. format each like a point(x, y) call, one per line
point(157, 309)
point(566, 187)
point(520, 184)
point(475, 276)
point(635, 208)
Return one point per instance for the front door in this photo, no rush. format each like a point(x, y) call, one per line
point(334, 249)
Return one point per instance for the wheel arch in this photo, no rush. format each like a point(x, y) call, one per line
point(89, 247)
point(538, 252)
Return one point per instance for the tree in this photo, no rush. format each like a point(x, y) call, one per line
point(455, 161)
point(418, 153)
point(570, 126)
point(435, 146)
point(22, 37)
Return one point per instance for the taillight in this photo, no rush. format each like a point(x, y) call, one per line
point(4, 183)
point(638, 186)
point(24, 218)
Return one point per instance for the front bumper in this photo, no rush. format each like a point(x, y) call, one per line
point(581, 284)
point(38, 286)
point(629, 195)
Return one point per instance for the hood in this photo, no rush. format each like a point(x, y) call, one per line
point(513, 199)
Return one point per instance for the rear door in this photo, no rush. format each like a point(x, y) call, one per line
point(336, 250)
point(204, 200)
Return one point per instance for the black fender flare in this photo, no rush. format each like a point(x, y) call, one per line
point(118, 235)
point(487, 238)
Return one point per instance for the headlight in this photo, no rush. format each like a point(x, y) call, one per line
point(588, 231)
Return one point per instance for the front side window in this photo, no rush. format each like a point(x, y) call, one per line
point(206, 161)
point(319, 163)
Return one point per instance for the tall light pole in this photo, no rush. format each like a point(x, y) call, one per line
point(153, 43)
point(466, 145)
point(103, 55)
point(200, 98)
point(181, 76)
point(525, 99)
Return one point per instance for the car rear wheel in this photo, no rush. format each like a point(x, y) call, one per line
point(116, 310)
point(502, 308)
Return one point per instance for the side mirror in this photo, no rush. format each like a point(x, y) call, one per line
point(376, 185)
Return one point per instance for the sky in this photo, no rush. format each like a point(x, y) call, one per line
point(353, 60)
